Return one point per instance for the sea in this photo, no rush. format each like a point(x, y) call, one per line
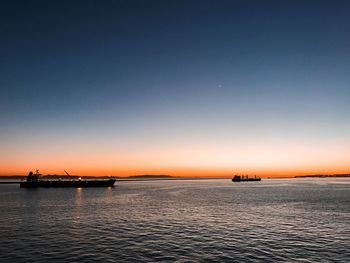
point(275, 220)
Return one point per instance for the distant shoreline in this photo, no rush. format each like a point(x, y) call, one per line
point(322, 175)
point(149, 177)
point(131, 178)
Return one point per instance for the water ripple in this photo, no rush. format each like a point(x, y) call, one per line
point(178, 221)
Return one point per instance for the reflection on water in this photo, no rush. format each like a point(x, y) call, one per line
point(78, 202)
point(209, 220)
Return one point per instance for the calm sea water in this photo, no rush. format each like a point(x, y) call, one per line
point(290, 220)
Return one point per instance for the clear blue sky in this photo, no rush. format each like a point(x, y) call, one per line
point(230, 79)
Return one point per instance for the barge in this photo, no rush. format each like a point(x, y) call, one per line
point(34, 181)
point(242, 178)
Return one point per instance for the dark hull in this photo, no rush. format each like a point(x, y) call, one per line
point(70, 183)
point(246, 180)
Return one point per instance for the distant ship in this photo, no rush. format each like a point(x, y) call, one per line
point(34, 181)
point(242, 178)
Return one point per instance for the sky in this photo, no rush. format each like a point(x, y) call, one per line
point(186, 88)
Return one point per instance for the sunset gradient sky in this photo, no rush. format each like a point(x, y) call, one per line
point(187, 88)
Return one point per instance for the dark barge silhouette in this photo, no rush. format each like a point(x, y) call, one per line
point(242, 178)
point(34, 181)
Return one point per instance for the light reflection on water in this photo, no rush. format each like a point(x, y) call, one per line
point(208, 220)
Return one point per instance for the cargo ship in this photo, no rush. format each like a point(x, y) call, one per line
point(242, 178)
point(34, 181)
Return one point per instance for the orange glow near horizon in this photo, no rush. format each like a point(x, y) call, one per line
point(213, 160)
point(195, 173)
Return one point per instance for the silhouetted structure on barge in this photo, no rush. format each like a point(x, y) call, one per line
point(242, 178)
point(34, 181)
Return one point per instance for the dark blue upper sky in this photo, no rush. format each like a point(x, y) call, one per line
point(117, 65)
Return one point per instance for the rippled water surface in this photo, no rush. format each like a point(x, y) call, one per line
point(291, 220)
